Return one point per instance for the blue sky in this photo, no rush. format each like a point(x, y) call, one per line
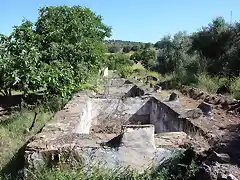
point(135, 20)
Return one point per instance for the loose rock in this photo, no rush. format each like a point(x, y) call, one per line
point(174, 97)
point(206, 108)
point(231, 177)
point(204, 172)
point(157, 88)
point(220, 157)
point(193, 113)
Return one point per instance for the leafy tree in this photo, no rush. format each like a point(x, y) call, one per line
point(114, 61)
point(75, 35)
point(148, 46)
point(58, 78)
point(59, 52)
point(135, 48)
point(212, 42)
point(20, 65)
point(146, 57)
point(126, 49)
point(165, 41)
point(114, 49)
point(165, 56)
point(141, 45)
point(136, 56)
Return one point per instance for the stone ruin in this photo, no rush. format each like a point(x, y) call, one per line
point(123, 127)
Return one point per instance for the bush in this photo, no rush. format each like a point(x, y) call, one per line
point(154, 74)
point(207, 83)
point(135, 48)
point(126, 49)
point(139, 70)
point(125, 71)
point(114, 61)
point(148, 45)
point(146, 57)
point(114, 49)
point(235, 88)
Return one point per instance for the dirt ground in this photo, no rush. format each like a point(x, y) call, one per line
point(111, 125)
point(226, 128)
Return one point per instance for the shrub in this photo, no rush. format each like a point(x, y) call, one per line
point(139, 70)
point(125, 71)
point(235, 88)
point(114, 49)
point(146, 57)
point(207, 83)
point(114, 61)
point(135, 48)
point(154, 74)
point(126, 49)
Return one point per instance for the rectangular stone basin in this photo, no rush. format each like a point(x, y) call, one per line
point(117, 130)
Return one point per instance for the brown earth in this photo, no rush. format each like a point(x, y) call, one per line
point(225, 127)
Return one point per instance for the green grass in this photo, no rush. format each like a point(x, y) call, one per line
point(153, 74)
point(99, 174)
point(13, 134)
point(138, 67)
point(169, 170)
point(207, 83)
point(235, 88)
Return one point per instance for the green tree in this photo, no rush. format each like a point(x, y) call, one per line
point(135, 48)
point(126, 49)
point(212, 42)
point(59, 52)
point(75, 35)
point(20, 65)
point(114, 49)
point(136, 56)
point(146, 57)
point(115, 61)
point(165, 41)
point(148, 45)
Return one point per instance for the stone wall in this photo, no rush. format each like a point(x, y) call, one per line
point(116, 129)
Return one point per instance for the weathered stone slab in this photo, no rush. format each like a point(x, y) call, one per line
point(170, 139)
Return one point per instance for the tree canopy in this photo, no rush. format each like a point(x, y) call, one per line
point(59, 51)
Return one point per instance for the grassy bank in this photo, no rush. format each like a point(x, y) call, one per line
point(15, 131)
point(202, 81)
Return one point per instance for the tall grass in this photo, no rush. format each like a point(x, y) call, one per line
point(14, 133)
point(154, 74)
point(235, 88)
point(207, 83)
point(170, 170)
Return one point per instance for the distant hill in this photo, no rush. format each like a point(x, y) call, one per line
point(119, 45)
